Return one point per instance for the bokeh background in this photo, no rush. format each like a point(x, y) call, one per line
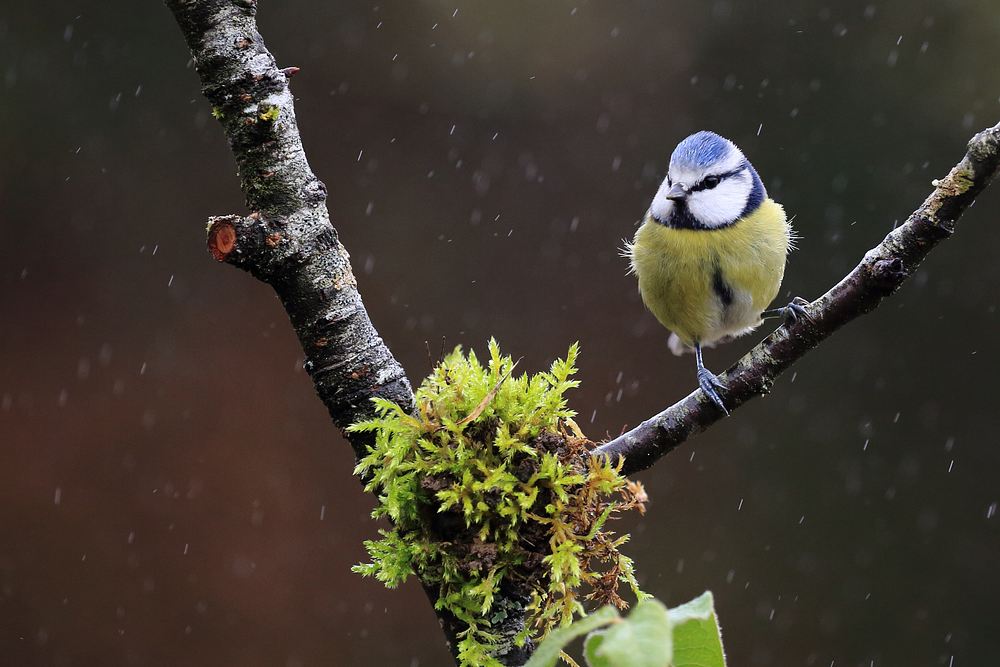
point(172, 492)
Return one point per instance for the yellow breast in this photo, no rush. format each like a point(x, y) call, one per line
point(707, 284)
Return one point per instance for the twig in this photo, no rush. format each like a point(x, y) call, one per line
point(882, 270)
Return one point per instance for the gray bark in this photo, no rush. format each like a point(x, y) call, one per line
point(288, 241)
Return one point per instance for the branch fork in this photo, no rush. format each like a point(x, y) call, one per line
point(289, 242)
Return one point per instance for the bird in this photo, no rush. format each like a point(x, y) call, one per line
point(710, 252)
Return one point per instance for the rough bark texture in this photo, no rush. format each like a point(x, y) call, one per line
point(289, 242)
point(881, 272)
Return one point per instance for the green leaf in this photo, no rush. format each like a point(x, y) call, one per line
point(697, 638)
point(641, 640)
point(651, 636)
point(592, 646)
point(548, 651)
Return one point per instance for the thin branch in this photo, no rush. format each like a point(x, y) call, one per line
point(881, 272)
point(289, 243)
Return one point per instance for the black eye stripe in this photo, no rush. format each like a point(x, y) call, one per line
point(704, 186)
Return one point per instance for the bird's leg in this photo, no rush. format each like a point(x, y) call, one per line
point(790, 313)
point(708, 381)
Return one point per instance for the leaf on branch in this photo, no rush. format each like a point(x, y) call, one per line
point(697, 637)
point(651, 636)
point(641, 640)
point(548, 652)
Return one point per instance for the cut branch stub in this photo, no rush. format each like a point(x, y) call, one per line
point(221, 237)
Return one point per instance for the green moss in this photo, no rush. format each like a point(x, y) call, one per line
point(490, 483)
point(270, 114)
point(217, 113)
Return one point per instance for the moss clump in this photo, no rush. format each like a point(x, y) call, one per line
point(490, 484)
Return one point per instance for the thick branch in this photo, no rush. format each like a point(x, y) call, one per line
point(288, 240)
point(881, 272)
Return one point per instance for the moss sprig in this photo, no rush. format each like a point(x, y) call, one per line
point(490, 483)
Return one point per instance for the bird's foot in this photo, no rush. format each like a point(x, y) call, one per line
point(790, 313)
point(708, 382)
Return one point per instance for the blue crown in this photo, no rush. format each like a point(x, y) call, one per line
point(701, 150)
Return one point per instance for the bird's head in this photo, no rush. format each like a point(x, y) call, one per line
point(709, 184)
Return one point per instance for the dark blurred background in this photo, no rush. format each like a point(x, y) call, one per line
point(171, 490)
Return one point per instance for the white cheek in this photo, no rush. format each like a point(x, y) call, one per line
point(661, 207)
point(722, 204)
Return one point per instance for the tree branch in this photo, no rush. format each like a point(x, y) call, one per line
point(289, 242)
point(881, 272)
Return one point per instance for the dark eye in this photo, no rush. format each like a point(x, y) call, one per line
point(711, 181)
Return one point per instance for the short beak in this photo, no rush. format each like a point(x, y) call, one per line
point(676, 192)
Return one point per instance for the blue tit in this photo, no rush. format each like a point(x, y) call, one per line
point(710, 253)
